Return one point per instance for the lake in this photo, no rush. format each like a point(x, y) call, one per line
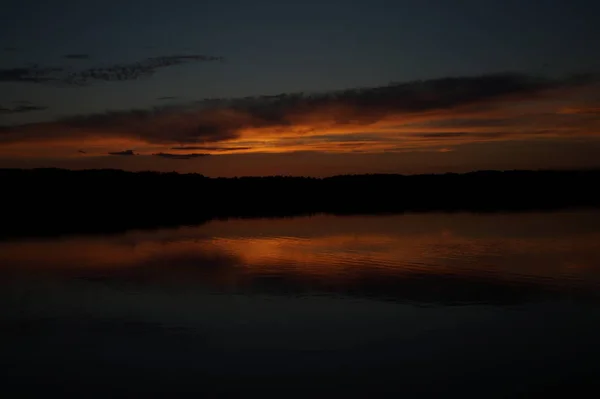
point(422, 305)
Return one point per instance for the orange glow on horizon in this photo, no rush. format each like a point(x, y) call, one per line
point(330, 129)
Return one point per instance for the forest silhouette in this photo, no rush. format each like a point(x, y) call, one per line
point(58, 201)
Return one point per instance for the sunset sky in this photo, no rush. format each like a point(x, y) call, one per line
point(300, 87)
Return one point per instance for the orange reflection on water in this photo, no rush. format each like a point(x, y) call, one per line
point(556, 247)
point(440, 252)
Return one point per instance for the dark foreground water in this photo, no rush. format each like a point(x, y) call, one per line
point(497, 305)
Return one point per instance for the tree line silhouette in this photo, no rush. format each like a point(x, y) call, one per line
point(56, 201)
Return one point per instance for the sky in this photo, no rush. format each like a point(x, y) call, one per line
point(315, 88)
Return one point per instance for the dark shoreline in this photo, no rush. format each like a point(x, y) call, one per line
point(49, 202)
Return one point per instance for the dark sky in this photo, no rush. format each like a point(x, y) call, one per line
point(65, 64)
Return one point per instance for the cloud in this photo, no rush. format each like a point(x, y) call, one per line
point(473, 122)
point(21, 109)
point(396, 117)
point(31, 74)
point(458, 135)
point(179, 156)
point(580, 110)
point(208, 148)
point(444, 135)
point(166, 98)
point(111, 73)
point(123, 153)
point(132, 71)
point(77, 56)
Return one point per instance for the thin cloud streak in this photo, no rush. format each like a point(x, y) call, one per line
point(111, 73)
point(22, 109)
point(180, 156)
point(132, 71)
point(123, 153)
point(207, 148)
point(30, 74)
point(77, 56)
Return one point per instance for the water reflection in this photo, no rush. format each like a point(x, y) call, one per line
point(452, 259)
point(491, 305)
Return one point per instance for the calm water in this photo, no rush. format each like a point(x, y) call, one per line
point(495, 305)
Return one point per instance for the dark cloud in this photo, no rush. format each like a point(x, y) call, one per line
point(82, 152)
point(215, 120)
point(77, 56)
point(163, 61)
point(368, 105)
point(207, 148)
point(29, 108)
point(159, 125)
point(21, 109)
point(179, 156)
point(124, 153)
point(444, 135)
point(132, 71)
point(31, 74)
point(352, 137)
point(449, 92)
point(11, 49)
point(166, 98)
point(111, 73)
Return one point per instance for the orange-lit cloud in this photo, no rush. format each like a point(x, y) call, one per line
point(432, 115)
point(580, 110)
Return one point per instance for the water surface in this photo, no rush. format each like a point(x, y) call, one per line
point(493, 305)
